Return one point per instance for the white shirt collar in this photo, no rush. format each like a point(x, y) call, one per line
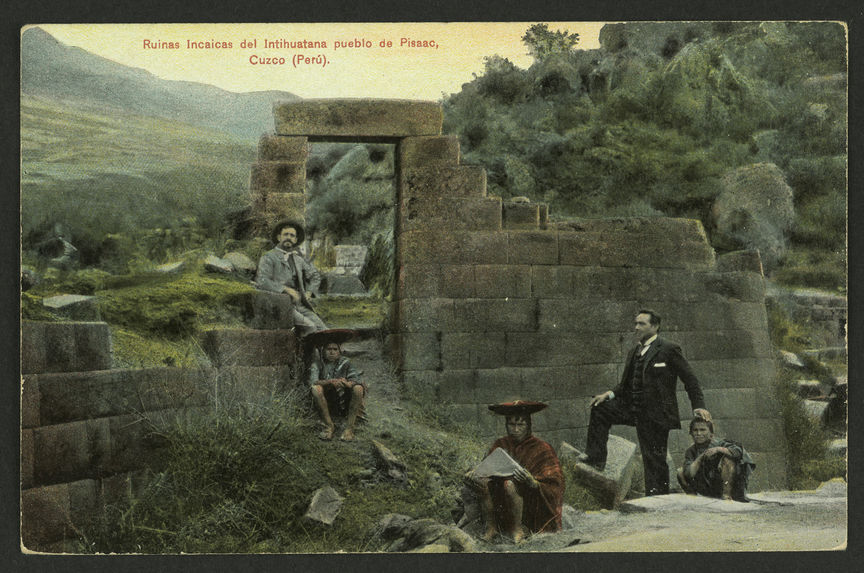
point(646, 344)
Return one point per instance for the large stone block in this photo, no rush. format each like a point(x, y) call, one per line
point(67, 452)
point(457, 247)
point(458, 281)
point(281, 148)
point(472, 350)
point(728, 344)
point(755, 434)
point(417, 350)
point(74, 307)
point(521, 216)
point(326, 119)
point(486, 314)
point(577, 315)
point(715, 315)
point(426, 314)
point(735, 373)
point(64, 346)
point(27, 452)
point(452, 213)
point(559, 415)
point(502, 281)
point(611, 484)
point(593, 379)
point(495, 385)
point(30, 400)
point(278, 176)
point(597, 283)
point(677, 230)
point(743, 286)
point(134, 442)
point(670, 284)
point(457, 386)
point(423, 281)
point(45, 516)
point(279, 205)
point(770, 472)
point(428, 151)
point(725, 403)
point(246, 347)
point(747, 260)
point(271, 311)
point(532, 247)
point(68, 397)
point(567, 349)
point(548, 383)
point(442, 181)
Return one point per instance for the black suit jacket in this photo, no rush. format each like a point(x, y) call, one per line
point(664, 364)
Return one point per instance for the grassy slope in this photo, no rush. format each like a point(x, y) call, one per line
point(112, 172)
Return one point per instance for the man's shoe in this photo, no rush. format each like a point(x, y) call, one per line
point(596, 464)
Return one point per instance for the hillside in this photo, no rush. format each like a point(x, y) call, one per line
point(52, 69)
point(115, 171)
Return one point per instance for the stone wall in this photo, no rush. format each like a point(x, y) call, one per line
point(87, 437)
point(494, 302)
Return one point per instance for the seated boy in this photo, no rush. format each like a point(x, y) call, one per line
point(714, 467)
point(335, 384)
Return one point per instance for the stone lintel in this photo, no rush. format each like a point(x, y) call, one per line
point(322, 119)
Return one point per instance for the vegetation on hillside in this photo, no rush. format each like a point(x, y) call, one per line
point(648, 125)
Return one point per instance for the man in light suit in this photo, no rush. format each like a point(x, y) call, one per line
point(284, 270)
point(645, 398)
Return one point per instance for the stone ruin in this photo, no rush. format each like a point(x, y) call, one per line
point(493, 302)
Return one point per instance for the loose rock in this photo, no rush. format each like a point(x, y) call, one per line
point(325, 506)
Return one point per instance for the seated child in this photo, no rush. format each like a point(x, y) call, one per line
point(335, 384)
point(714, 467)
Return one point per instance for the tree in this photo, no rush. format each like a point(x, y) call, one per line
point(542, 42)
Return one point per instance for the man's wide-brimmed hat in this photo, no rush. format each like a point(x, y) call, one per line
point(297, 226)
point(517, 407)
point(324, 337)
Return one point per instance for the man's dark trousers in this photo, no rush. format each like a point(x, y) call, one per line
point(653, 441)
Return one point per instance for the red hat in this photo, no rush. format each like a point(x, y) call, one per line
point(517, 407)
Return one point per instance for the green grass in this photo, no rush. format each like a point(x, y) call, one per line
point(351, 312)
point(239, 479)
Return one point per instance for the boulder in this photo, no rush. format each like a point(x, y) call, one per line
point(790, 360)
point(350, 255)
point(808, 388)
point(169, 268)
point(387, 462)
point(423, 536)
point(816, 409)
point(241, 263)
point(569, 517)
point(325, 506)
point(611, 484)
point(344, 284)
point(754, 210)
point(74, 306)
point(214, 264)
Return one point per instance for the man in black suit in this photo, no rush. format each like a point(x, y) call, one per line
point(645, 398)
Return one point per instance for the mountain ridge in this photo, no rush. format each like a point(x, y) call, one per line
point(51, 69)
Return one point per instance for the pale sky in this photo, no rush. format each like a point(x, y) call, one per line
point(381, 72)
